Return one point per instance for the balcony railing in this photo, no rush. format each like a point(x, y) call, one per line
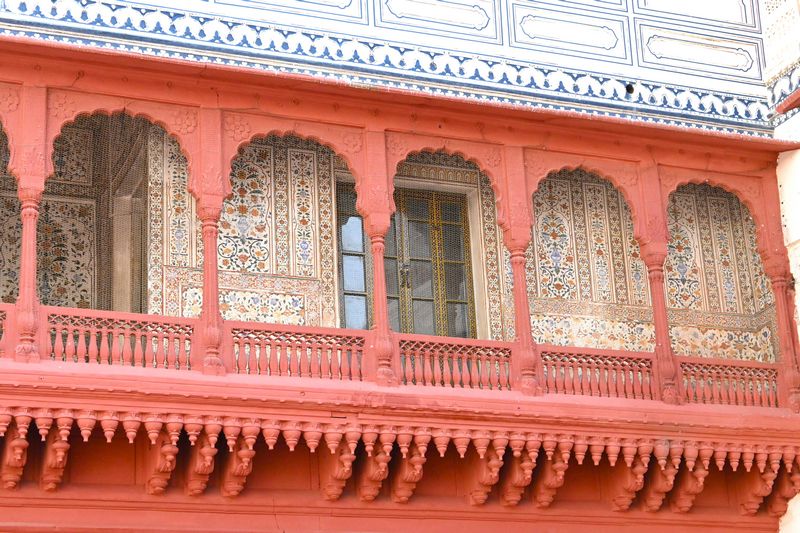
point(729, 382)
point(299, 351)
point(89, 337)
point(113, 338)
point(590, 372)
point(461, 363)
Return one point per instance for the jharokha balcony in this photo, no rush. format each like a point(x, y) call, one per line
point(314, 298)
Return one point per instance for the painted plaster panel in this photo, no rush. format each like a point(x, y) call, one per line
point(587, 285)
point(720, 300)
point(554, 55)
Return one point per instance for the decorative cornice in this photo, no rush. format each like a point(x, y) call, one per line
point(174, 34)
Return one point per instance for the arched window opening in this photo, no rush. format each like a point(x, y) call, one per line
point(276, 249)
point(92, 231)
point(442, 254)
point(720, 301)
point(587, 285)
point(11, 225)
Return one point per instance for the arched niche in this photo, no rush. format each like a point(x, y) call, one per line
point(720, 302)
point(11, 225)
point(96, 220)
point(277, 236)
point(433, 180)
point(587, 285)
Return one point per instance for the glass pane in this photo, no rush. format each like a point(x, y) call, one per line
point(451, 212)
point(390, 249)
point(457, 320)
point(417, 208)
point(390, 265)
point(419, 240)
point(352, 235)
point(424, 320)
point(355, 312)
point(453, 242)
point(422, 279)
point(456, 281)
point(353, 273)
point(394, 314)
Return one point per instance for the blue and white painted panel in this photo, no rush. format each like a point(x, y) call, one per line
point(474, 19)
point(569, 32)
point(588, 56)
point(742, 14)
point(671, 47)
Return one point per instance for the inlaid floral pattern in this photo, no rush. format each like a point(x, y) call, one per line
point(587, 285)
point(720, 300)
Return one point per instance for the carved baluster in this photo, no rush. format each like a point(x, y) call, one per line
point(259, 353)
point(315, 350)
point(486, 375)
point(550, 369)
point(138, 355)
point(105, 352)
point(58, 343)
point(125, 344)
point(773, 400)
point(274, 367)
point(171, 359)
point(327, 352)
point(91, 340)
point(241, 355)
point(577, 378)
point(638, 392)
point(294, 359)
point(502, 365)
point(283, 356)
point(627, 376)
point(149, 354)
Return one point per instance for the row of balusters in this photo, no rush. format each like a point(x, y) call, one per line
point(120, 346)
point(310, 356)
point(622, 378)
point(446, 367)
point(705, 384)
point(443, 366)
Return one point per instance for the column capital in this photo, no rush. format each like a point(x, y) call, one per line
point(654, 253)
point(209, 207)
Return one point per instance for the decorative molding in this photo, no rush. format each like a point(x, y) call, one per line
point(373, 62)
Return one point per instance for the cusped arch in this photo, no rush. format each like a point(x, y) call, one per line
point(65, 107)
point(746, 190)
point(487, 157)
point(346, 143)
point(623, 183)
point(105, 112)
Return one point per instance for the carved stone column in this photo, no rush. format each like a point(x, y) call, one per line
point(789, 387)
point(517, 221)
point(31, 172)
point(27, 308)
point(667, 370)
point(209, 208)
point(375, 203)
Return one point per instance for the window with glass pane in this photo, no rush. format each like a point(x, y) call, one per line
point(428, 272)
point(354, 265)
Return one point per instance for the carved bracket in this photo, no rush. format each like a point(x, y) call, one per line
point(516, 480)
point(201, 465)
point(488, 474)
point(785, 488)
point(162, 458)
point(408, 474)
point(15, 455)
point(549, 480)
point(335, 469)
point(54, 461)
point(237, 468)
point(659, 482)
point(371, 476)
point(754, 487)
point(689, 484)
point(626, 482)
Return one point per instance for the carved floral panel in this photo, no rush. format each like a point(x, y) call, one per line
point(587, 285)
point(720, 300)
